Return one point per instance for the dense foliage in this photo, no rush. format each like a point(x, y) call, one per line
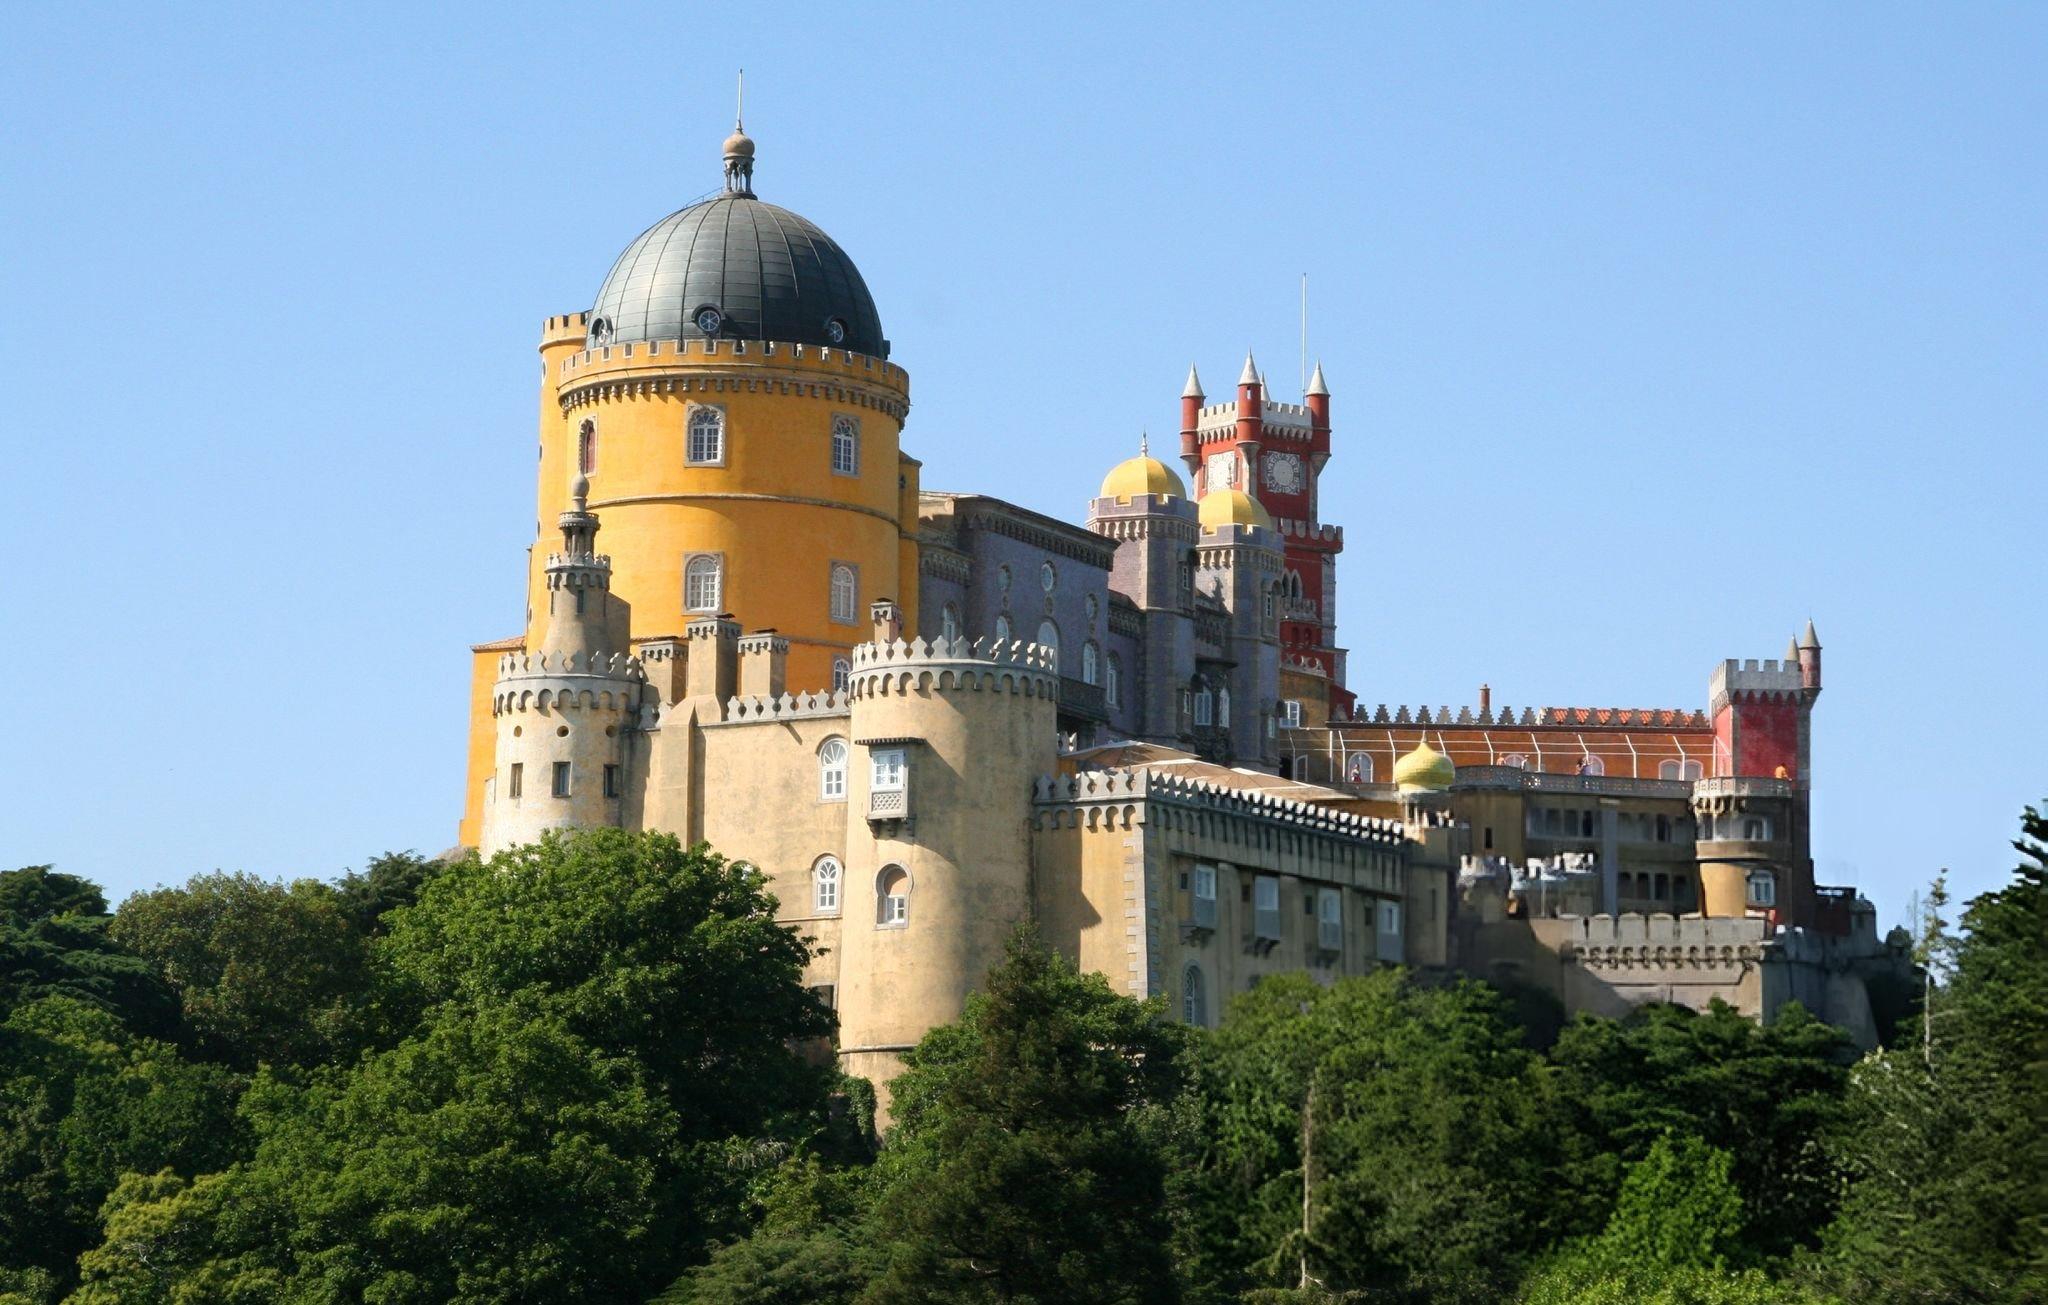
point(588, 1071)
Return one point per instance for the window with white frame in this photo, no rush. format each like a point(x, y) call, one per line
point(1763, 889)
point(949, 621)
point(1205, 882)
point(832, 770)
point(1049, 639)
point(845, 581)
point(892, 897)
point(886, 770)
point(703, 582)
point(704, 445)
point(1756, 829)
point(1290, 711)
point(1390, 917)
point(1519, 761)
point(1112, 682)
point(1592, 765)
point(1091, 663)
point(1205, 708)
point(825, 885)
point(1194, 997)
point(1223, 707)
point(1358, 768)
point(845, 446)
point(842, 672)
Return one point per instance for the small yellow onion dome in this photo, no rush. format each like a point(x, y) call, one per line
point(1231, 507)
point(739, 143)
point(1141, 475)
point(1424, 770)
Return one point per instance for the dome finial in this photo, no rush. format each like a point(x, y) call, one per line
point(739, 148)
point(1144, 443)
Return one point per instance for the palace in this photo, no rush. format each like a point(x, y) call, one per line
point(926, 716)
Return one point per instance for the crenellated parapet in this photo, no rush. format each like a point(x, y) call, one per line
point(568, 681)
point(1755, 679)
point(1660, 942)
point(712, 367)
point(983, 665)
point(1134, 787)
point(524, 665)
point(1571, 718)
point(754, 709)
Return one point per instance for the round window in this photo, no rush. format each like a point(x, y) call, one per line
point(1048, 577)
point(835, 330)
point(709, 319)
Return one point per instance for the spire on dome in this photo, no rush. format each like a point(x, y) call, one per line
point(1144, 444)
point(1250, 375)
point(1809, 639)
point(739, 148)
point(1315, 383)
point(1193, 389)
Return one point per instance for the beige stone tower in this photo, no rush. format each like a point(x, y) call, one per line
point(947, 739)
point(566, 715)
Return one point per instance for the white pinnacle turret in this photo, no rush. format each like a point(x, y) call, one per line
point(1315, 383)
point(1193, 389)
point(1250, 376)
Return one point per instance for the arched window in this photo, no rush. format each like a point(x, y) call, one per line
point(1112, 682)
point(892, 897)
point(842, 672)
point(702, 583)
point(1358, 768)
point(845, 593)
point(949, 622)
point(586, 447)
point(832, 770)
point(1756, 829)
point(1049, 639)
point(1223, 708)
point(1091, 663)
point(1592, 765)
point(825, 885)
point(1518, 760)
point(1205, 708)
point(845, 446)
point(1194, 997)
point(705, 444)
point(1003, 628)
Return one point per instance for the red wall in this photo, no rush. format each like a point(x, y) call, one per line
point(1767, 737)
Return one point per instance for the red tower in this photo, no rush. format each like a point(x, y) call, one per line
point(1276, 452)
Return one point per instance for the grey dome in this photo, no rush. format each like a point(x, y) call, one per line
point(770, 275)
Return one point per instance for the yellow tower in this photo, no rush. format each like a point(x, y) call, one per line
point(729, 399)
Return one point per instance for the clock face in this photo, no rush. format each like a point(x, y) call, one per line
point(1222, 470)
point(1283, 472)
point(709, 320)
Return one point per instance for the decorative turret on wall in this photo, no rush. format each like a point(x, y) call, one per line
point(567, 715)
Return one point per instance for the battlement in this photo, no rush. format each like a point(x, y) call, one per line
point(941, 663)
point(1294, 528)
point(603, 560)
point(1571, 718)
point(1115, 786)
point(1285, 418)
point(1655, 939)
point(744, 354)
point(790, 706)
point(614, 666)
point(1305, 665)
point(1769, 677)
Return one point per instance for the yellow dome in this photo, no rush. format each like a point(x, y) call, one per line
point(1232, 507)
point(1141, 475)
point(1424, 770)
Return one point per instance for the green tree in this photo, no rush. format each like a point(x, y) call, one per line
point(1431, 1133)
point(492, 1157)
point(1678, 1209)
point(265, 972)
point(54, 941)
point(1022, 1166)
point(82, 1101)
point(809, 1248)
point(388, 882)
point(1945, 1149)
point(643, 948)
point(1765, 1094)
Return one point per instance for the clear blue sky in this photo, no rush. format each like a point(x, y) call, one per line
point(1653, 330)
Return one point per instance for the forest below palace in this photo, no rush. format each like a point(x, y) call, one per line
point(588, 1070)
